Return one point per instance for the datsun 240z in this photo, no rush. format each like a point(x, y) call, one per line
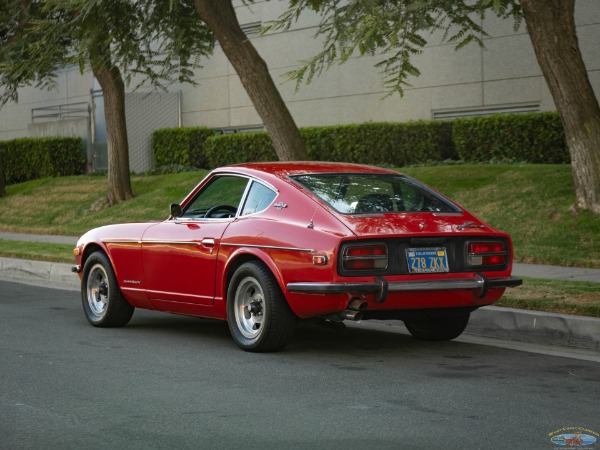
point(264, 245)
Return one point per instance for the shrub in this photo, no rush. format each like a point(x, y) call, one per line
point(395, 144)
point(31, 158)
point(534, 138)
point(225, 149)
point(181, 146)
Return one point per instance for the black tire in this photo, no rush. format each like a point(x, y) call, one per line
point(438, 328)
point(103, 303)
point(260, 320)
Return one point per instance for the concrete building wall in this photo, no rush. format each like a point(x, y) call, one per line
point(71, 87)
point(503, 74)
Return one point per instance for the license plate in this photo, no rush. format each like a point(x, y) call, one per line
point(427, 260)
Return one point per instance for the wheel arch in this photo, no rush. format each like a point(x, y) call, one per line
point(246, 255)
point(94, 247)
point(90, 249)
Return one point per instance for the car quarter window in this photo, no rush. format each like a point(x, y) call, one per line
point(259, 198)
point(219, 199)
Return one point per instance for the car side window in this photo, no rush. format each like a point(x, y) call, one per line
point(220, 199)
point(259, 198)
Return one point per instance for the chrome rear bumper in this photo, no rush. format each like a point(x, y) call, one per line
point(381, 286)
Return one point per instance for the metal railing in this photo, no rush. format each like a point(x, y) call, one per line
point(61, 112)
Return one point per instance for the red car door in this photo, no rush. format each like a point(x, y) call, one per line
point(180, 255)
point(182, 268)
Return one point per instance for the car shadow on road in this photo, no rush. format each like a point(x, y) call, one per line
point(311, 336)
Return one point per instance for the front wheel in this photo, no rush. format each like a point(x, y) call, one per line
point(259, 317)
point(103, 302)
point(438, 328)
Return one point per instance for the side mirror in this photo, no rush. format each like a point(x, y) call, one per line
point(176, 210)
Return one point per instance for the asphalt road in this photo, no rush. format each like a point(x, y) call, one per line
point(170, 382)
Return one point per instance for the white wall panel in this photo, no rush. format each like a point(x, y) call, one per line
point(513, 91)
point(506, 72)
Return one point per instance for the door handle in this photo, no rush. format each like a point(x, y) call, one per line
point(208, 242)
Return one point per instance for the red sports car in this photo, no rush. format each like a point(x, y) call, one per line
point(267, 244)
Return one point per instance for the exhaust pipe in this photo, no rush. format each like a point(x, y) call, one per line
point(356, 304)
point(353, 315)
point(354, 311)
point(344, 315)
point(355, 308)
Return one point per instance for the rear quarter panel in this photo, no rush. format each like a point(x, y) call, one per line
point(286, 240)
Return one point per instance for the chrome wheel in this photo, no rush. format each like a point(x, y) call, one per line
point(249, 307)
point(97, 291)
point(102, 300)
point(259, 317)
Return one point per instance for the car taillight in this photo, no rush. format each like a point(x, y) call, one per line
point(486, 254)
point(365, 257)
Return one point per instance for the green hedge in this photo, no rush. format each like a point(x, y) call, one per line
point(395, 144)
point(534, 138)
point(180, 146)
point(225, 149)
point(31, 158)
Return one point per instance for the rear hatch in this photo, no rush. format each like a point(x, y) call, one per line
point(421, 243)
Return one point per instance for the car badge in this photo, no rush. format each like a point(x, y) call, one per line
point(422, 225)
point(280, 205)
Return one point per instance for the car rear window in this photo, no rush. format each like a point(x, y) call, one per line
point(359, 193)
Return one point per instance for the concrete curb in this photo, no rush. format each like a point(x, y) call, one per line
point(536, 327)
point(490, 321)
point(56, 275)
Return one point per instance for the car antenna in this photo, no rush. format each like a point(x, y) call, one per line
point(311, 225)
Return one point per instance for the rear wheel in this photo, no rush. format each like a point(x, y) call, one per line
point(438, 328)
point(103, 302)
point(259, 317)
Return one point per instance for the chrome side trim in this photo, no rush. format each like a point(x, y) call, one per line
point(157, 242)
point(121, 241)
point(271, 247)
point(172, 243)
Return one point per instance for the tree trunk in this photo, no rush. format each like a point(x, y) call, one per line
point(219, 16)
point(551, 26)
point(113, 88)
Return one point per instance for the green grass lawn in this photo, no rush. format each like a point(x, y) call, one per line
point(559, 296)
point(64, 205)
point(37, 251)
point(530, 202)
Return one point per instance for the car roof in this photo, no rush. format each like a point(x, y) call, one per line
point(284, 169)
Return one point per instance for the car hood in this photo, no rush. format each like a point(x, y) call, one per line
point(414, 224)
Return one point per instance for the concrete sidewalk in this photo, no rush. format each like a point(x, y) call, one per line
point(49, 238)
point(556, 272)
point(495, 322)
